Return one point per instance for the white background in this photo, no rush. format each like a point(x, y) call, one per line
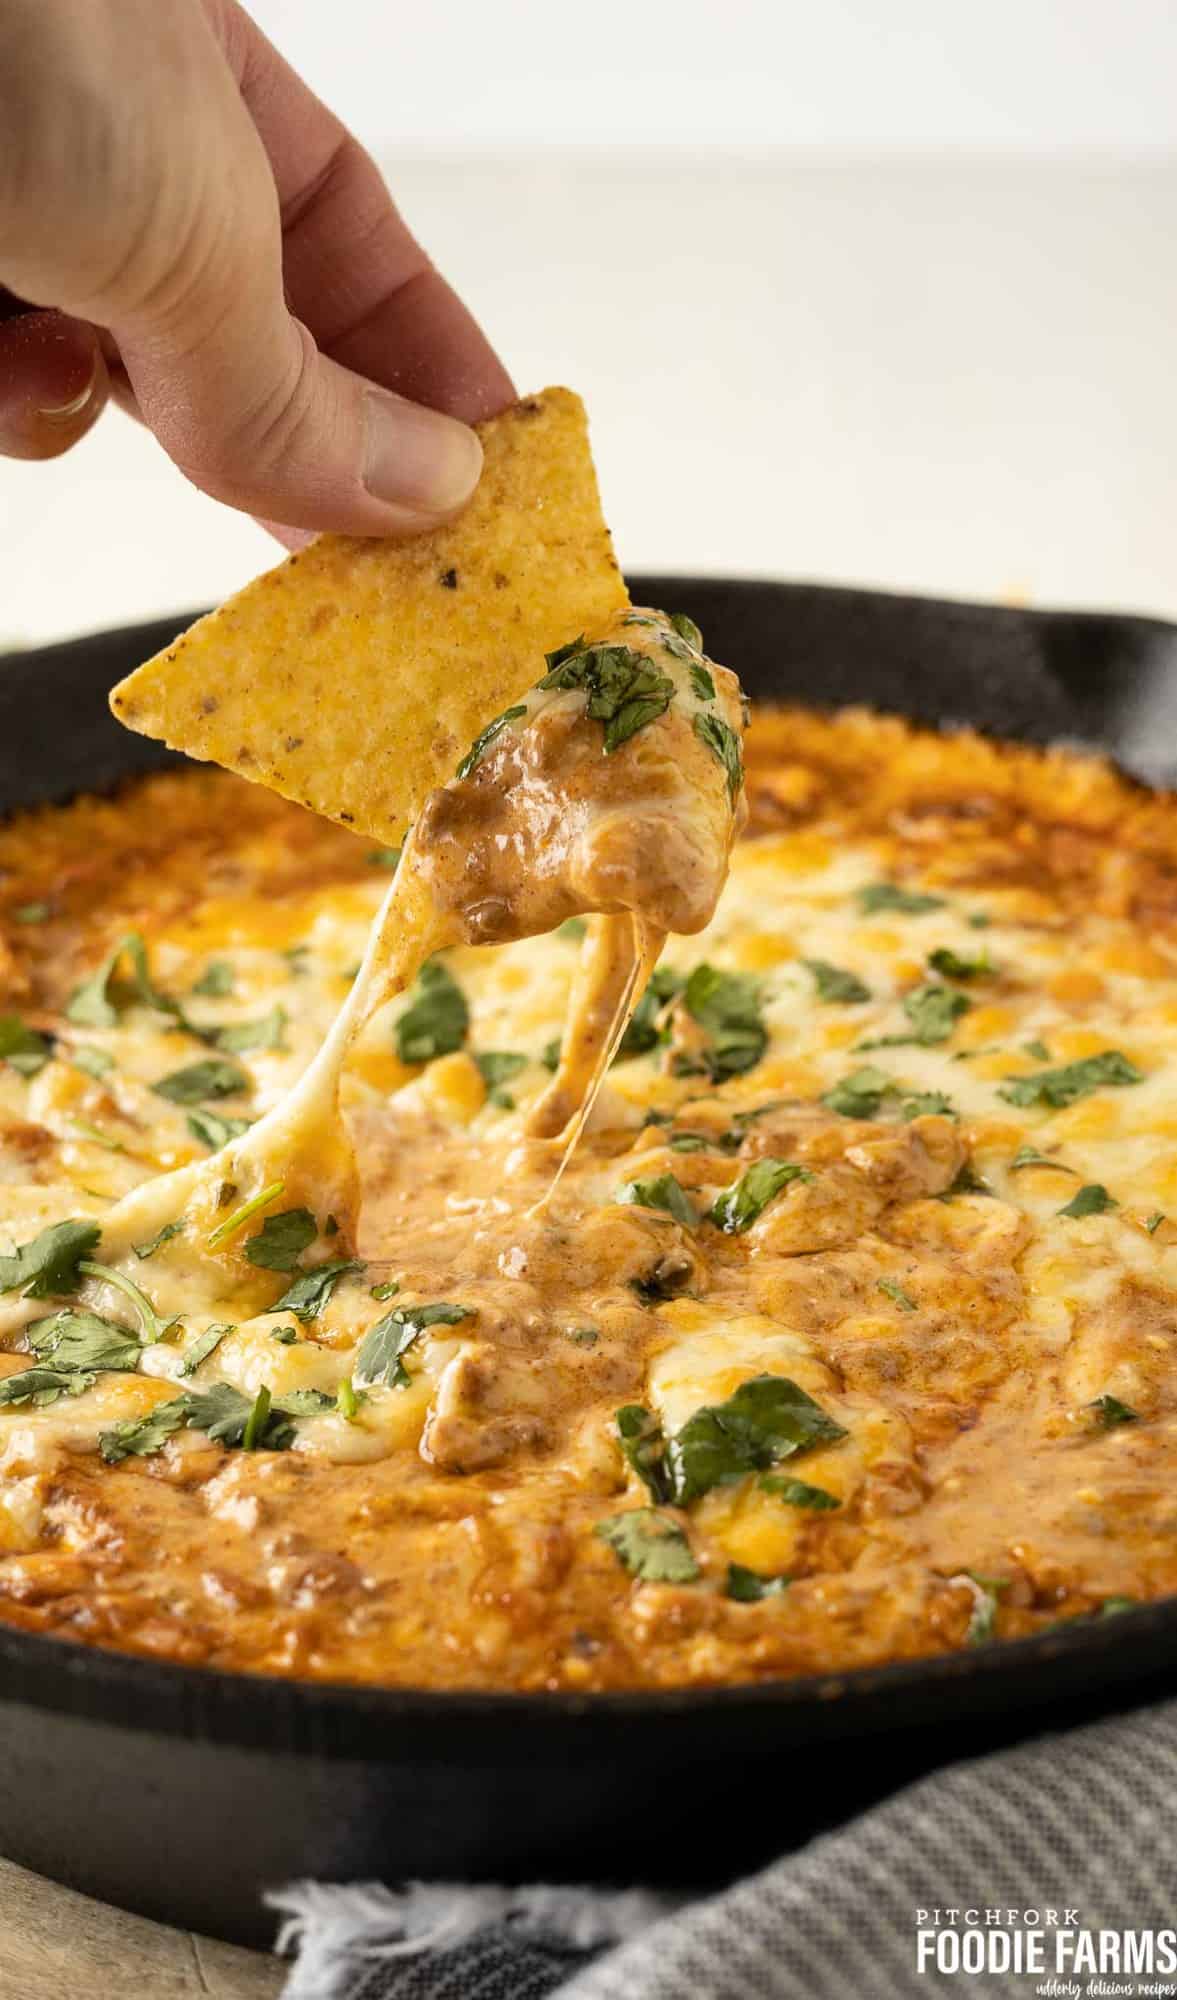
point(879, 290)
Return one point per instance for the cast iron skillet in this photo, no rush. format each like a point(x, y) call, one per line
point(183, 1793)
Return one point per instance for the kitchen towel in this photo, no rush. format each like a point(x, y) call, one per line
point(1081, 1825)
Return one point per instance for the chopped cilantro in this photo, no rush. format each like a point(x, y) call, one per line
point(387, 1290)
point(82, 1342)
point(951, 965)
point(1091, 1199)
point(738, 1207)
point(643, 1447)
point(486, 737)
point(642, 1032)
point(665, 1279)
point(987, 1592)
point(550, 1054)
point(240, 1216)
point(216, 980)
point(99, 1000)
point(206, 1343)
point(649, 1545)
point(1113, 1606)
point(927, 1104)
point(384, 857)
point(1037, 1049)
point(41, 1386)
point(346, 1400)
point(96, 1136)
point(625, 690)
point(572, 930)
point(307, 1296)
point(257, 1421)
point(282, 1238)
point(1108, 1413)
point(723, 743)
point(199, 1080)
point(48, 1266)
point(686, 629)
point(895, 1292)
point(382, 1350)
point(877, 896)
point(152, 1327)
point(965, 1181)
point(1057, 1088)
point(665, 1193)
point(860, 1094)
point(979, 920)
point(933, 1012)
point(265, 1033)
point(214, 1131)
point(726, 1006)
point(137, 1437)
point(766, 1420)
point(583, 1336)
point(23, 1049)
point(161, 1237)
point(286, 1336)
point(1155, 1220)
point(496, 1067)
point(701, 681)
point(1029, 1156)
point(795, 1493)
point(437, 1019)
point(834, 983)
point(233, 1419)
point(747, 1586)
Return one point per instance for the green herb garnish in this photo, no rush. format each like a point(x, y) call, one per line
point(307, 1296)
point(1108, 1413)
point(643, 1447)
point(214, 1131)
point(933, 1012)
point(23, 1049)
point(625, 690)
point(265, 1033)
point(216, 980)
point(162, 1236)
point(572, 929)
point(951, 965)
point(206, 1343)
point(84, 1343)
point(987, 1592)
point(387, 1290)
point(795, 1493)
point(927, 1104)
point(649, 1545)
point(384, 1346)
point(210, 1078)
point(152, 1327)
point(1091, 1199)
point(686, 629)
point(738, 1207)
point(41, 1386)
point(1057, 1088)
point(437, 1020)
point(1029, 1156)
point(48, 1266)
point(30, 913)
point(860, 1094)
point(91, 1061)
point(701, 681)
point(1155, 1220)
point(486, 737)
point(665, 1193)
point(384, 857)
point(767, 1419)
point(99, 1000)
point(834, 983)
point(726, 1006)
point(895, 1292)
point(723, 743)
point(642, 1032)
point(747, 1586)
point(878, 896)
point(281, 1239)
point(496, 1067)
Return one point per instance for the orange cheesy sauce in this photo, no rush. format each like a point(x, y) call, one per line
point(868, 1242)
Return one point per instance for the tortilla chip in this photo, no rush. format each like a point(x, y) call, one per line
point(355, 676)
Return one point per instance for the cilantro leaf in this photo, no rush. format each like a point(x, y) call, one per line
point(307, 1296)
point(877, 896)
point(43, 1385)
point(48, 1266)
point(161, 1237)
point(496, 1067)
point(952, 966)
point(216, 980)
point(894, 1291)
point(795, 1493)
point(1057, 1088)
point(686, 629)
point(1029, 1156)
point(572, 930)
point(834, 983)
point(625, 690)
point(265, 1033)
point(384, 857)
point(1091, 1199)
point(987, 1592)
point(282, 1238)
point(721, 739)
point(81, 1342)
point(206, 1343)
point(226, 1416)
point(649, 1545)
point(665, 1193)
point(701, 681)
point(91, 1061)
point(933, 1012)
point(644, 1448)
point(641, 1030)
point(211, 1078)
point(382, 1350)
point(860, 1094)
point(767, 1419)
point(99, 1000)
point(737, 1208)
point(746, 1586)
point(1108, 1413)
point(437, 1020)
point(214, 1131)
point(927, 1104)
point(486, 737)
point(1155, 1220)
point(136, 1437)
point(726, 1006)
point(23, 1049)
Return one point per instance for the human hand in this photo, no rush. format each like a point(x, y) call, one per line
point(206, 243)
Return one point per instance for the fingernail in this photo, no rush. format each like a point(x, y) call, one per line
point(416, 458)
point(64, 413)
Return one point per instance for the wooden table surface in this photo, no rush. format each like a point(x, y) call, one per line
point(57, 1945)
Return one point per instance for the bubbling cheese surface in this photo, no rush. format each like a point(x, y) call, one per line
point(867, 1240)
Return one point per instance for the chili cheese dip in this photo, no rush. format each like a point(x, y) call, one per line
point(846, 1336)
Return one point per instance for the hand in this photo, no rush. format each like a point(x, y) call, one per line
point(204, 241)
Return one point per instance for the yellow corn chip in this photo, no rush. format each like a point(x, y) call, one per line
point(355, 675)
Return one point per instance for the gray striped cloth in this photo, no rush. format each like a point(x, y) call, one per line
point(1083, 1823)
